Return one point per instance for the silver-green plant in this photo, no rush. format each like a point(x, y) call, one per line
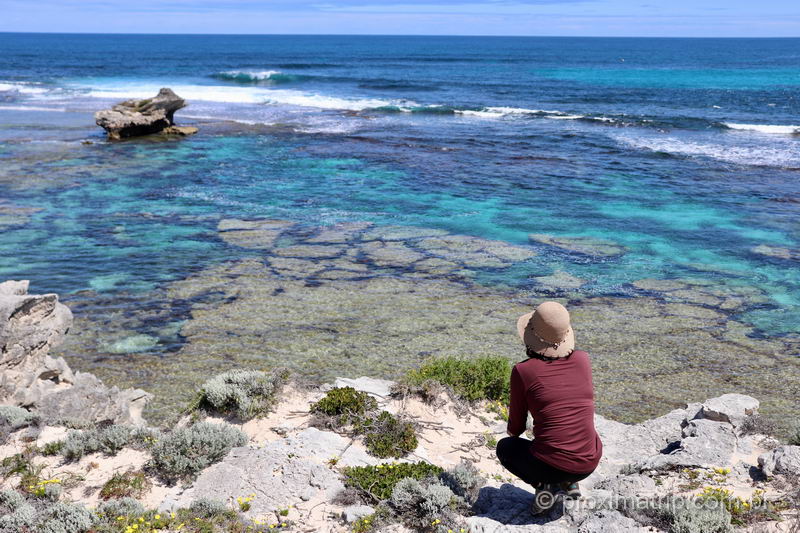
point(794, 434)
point(418, 504)
point(16, 514)
point(109, 440)
point(693, 516)
point(65, 518)
point(111, 509)
point(464, 480)
point(208, 508)
point(243, 393)
point(181, 454)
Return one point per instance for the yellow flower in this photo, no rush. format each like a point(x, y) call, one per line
point(158, 517)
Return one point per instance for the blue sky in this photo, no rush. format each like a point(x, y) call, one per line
point(664, 18)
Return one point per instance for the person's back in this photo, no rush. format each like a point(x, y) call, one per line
point(555, 386)
point(559, 395)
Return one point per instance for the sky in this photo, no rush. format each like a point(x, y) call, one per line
point(630, 18)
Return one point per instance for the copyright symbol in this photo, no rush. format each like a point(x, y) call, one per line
point(544, 499)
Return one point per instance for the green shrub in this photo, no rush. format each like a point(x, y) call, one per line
point(181, 454)
point(486, 378)
point(345, 405)
point(243, 393)
point(681, 515)
point(387, 436)
point(52, 448)
point(377, 482)
point(127, 484)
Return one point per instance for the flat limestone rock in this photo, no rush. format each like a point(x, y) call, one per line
point(253, 234)
point(582, 245)
point(561, 280)
point(782, 460)
point(777, 252)
point(731, 408)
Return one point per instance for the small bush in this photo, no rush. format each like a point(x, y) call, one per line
point(425, 504)
point(757, 425)
point(464, 480)
point(127, 484)
point(208, 508)
point(243, 393)
point(52, 448)
point(13, 418)
point(486, 378)
point(682, 515)
point(66, 518)
point(388, 436)
point(181, 454)
point(111, 509)
point(344, 406)
point(377, 482)
point(109, 440)
point(16, 514)
point(794, 434)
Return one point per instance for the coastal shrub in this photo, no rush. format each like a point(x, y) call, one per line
point(681, 515)
point(182, 453)
point(65, 518)
point(13, 418)
point(126, 484)
point(425, 504)
point(794, 434)
point(109, 440)
point(52, 448)
point(464, 480)
point(387, 436)
point(757, 425)
point(243, 393)
point(377, 482)
point(16, 514)
point(126, 506)
point(485, 378)
point(343, 406)
point(209, 508)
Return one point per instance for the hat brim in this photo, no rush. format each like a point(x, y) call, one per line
point(525, 331)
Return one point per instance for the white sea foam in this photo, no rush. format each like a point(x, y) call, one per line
point(782, 154)
point(499, 112)
point(261, 75)
point(21, 87)
point(31, 108)
point(765, 128)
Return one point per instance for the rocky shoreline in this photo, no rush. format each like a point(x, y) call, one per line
point(273, 464)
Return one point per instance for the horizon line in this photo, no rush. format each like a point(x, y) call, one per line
point(387, 35)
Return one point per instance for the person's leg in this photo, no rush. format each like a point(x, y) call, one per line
point(514, 454)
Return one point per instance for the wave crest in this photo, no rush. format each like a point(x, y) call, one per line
point(765, 128)
point(261, 76)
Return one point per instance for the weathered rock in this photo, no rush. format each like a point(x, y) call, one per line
point(777, 252)
point(29, 326)
point(183, 131)
point(704, 443)
point(731, 408)
point(132, 118)
point(381, 388)
point(279, 474)
point(255, 234)
point(783, 460)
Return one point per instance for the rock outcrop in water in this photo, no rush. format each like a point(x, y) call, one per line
point(30, 325)
point(133, 118)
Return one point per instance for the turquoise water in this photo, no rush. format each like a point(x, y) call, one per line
point(683, 153)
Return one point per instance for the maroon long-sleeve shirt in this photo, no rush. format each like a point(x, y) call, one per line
point(558, 393)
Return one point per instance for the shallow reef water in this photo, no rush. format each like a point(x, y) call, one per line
point(403, 197)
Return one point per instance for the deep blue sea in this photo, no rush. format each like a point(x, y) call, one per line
point(684, 151)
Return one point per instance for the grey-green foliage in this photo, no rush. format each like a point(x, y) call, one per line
point(120, 507)
point(794, 434)
point(419, 503)
point(464, 480)
point(13, 418)
point(52, 491)
point(65, 518)
point(695, 517)
point(109, 440)
point(208, 508)
point(184, 452)
point(244, 393)
point(16, 514)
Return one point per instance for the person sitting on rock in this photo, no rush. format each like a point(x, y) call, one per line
point(554, 385)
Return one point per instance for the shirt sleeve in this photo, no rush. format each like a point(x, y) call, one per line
point(518, 408)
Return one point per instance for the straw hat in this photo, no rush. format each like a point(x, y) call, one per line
point(547, 331)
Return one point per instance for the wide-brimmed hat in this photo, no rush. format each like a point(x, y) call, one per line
point(547, 330)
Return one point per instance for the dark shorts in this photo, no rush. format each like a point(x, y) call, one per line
point(515, 455)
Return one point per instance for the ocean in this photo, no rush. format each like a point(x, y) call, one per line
point(656, 172)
